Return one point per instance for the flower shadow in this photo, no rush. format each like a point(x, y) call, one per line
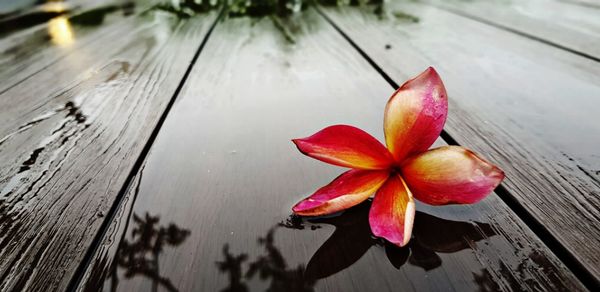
point(352, 238)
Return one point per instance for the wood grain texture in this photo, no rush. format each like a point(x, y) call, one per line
point(91, 26)
point(69, 137)
point(223, 174)
point(104, 257)
point(565, 24)
point(19, 15)
point(529, 106)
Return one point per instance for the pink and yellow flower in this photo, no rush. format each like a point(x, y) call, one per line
point(414, 118)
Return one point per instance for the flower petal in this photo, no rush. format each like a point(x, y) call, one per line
point(450, 175)
point(346, 146)
point(393, 211)
point(415, 115)
point(347, 190)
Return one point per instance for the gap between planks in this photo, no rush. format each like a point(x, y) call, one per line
point(16, 79)
point(513, 30)
point(139, 163)
point(563, 253)
point(365, 67)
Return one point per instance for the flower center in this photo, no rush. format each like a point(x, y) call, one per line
point(396, 170)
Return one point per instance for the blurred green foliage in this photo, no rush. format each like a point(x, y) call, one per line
point(256, 8)
point(278, 10)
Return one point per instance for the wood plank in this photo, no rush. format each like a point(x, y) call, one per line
point(529, 106)
point(20, 15)
point(585, 3)
point(70, 136)
point(224, 174)
point(26, 53)
point(564, 24)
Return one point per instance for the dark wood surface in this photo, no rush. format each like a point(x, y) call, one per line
point(528, 106)
point(89, 24)
point(566, 24)
point(71, 133)
point(97, 193)
point(216, 188)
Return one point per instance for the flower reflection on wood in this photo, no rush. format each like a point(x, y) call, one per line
point(414, 118)
point(349, 242)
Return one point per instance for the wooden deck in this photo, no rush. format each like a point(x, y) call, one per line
point(144, 151)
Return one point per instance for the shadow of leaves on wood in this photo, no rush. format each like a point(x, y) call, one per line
point(271, 266)
point(140, 255)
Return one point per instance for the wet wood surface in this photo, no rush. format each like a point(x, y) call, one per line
point(566, 24)
point(80, 27)
point(97, 193)
point(209, 210)
point(529, 106)
point(22, 15)
point(71, 133)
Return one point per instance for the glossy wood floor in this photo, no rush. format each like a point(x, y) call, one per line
point(145, 151)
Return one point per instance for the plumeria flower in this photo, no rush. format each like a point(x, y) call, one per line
point(414, 118)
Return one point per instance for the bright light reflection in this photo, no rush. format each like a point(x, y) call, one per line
point(56, 7)
point(59, 29)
